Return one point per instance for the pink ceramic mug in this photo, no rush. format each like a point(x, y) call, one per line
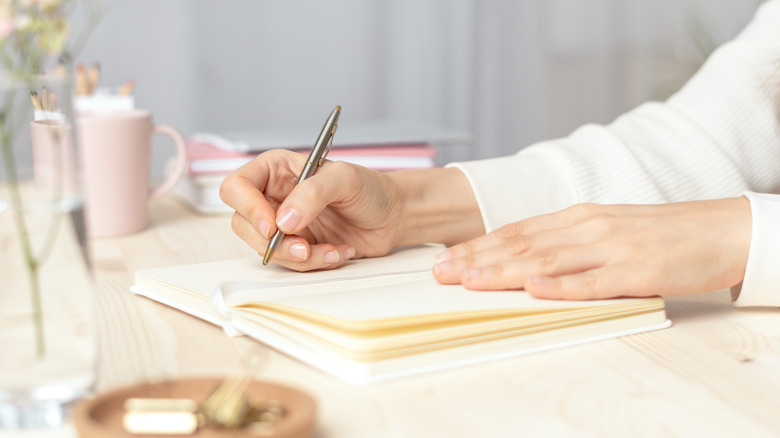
point(115, 153)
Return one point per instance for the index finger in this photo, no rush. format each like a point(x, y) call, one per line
point(252, 188)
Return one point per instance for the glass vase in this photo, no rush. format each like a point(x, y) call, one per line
point(48, 340)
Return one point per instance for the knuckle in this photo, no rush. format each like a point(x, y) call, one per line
point(509, 231)
point(589, 285)
point(581, 209)
point(513, 239)
point(519, 244)
point(310, 191)
point(584, 211)
point(252, 211)
point(340, 167)
point(467, 260)
point(549, 262)
point(347, 173)
point(601, 223)
point(465, 249)
point(280, 156)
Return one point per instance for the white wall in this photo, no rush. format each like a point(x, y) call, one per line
point(509, 72)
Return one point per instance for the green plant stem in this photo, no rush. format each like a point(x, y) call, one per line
point(17, 210)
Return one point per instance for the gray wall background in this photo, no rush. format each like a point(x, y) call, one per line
point(509, 72)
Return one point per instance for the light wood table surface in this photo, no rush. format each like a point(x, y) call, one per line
point(715, 372)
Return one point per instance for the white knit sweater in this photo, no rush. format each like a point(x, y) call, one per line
point(719, 136)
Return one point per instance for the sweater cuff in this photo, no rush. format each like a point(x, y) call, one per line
point(761, 285)
point(508, 189)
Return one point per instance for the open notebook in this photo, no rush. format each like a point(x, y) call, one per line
point(386, 317)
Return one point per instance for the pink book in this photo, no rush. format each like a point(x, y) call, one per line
point(204, 158)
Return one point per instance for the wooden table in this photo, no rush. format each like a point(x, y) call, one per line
point(715, 372)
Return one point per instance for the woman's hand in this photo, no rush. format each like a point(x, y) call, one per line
point(600, 251)
point(340, 212)
point(345, 211)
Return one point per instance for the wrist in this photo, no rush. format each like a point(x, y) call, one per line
point(437, 206)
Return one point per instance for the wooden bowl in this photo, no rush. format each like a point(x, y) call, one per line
point(101, 416)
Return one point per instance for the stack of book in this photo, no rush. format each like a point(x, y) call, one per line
point(382, 146)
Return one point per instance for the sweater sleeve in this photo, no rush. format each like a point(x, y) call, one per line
point(761, 285)
point(716, 137)
point(511, 188)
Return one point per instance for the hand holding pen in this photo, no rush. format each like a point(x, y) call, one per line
point(316, 158)
point(341, 212)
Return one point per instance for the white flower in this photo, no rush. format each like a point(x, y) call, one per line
point(22, 22)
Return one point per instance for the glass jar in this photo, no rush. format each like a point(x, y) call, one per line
point(48, 339)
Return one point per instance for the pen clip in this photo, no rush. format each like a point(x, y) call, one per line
point(330, 145)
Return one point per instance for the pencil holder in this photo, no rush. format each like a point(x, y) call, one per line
point(103, 101)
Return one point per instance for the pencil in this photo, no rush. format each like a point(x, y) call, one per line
point(126, 88)
point(82, 87)
point(52, 100)
point(93, 77)
point(45, 99)
point(34, 98)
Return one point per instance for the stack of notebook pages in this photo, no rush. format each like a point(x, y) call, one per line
point(386, 317)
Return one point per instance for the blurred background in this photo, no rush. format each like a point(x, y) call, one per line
point(508, 73)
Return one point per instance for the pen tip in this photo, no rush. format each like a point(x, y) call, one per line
point(268, 254)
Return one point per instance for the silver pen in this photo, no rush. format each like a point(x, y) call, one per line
point(316, 158)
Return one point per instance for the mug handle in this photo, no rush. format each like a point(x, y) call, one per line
point(181, 160)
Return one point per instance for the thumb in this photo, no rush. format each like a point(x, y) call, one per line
point(330, 184)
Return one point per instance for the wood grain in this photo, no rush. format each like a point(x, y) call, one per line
point(715, 372)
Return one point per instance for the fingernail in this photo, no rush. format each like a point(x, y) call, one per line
point(298, 251)
point(264, 227)
point(349, 253)
point(289, 220)
point(445, 255)
point(442, 267)
point(331, 256)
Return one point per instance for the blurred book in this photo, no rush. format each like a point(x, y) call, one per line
point(199, 186)
point(201, 192)
point(205, 158)
point(382, 132)
point(383, 146)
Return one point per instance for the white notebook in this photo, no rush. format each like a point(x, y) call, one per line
point(386, 317)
